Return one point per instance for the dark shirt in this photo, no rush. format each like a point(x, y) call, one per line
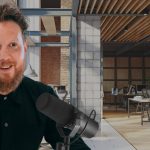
point(22, 126)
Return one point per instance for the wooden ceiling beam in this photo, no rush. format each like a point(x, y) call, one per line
point(111, 6)
point(93, 5)
point(118, 5)
point(132, 26)
point(114, 19)
point(99, 6)
point(145, 4)
point(124, 22)
point(131, 6)
point(139, 32)
point(110, 22)
point(104, 7)
point(125, 5)
point(127, 48)
point(86, 6)
point(135, 9)
point(49, 24)
point(80, 5)
point(138, 5)
point(117, 27)
point(108, 26)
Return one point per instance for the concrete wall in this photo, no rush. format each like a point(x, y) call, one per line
point(89, 66)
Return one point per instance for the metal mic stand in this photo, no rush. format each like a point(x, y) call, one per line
point(66, 144)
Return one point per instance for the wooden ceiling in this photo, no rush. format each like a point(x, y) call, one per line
point(125, 25)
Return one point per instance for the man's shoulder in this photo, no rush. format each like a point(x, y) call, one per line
point(36, 86)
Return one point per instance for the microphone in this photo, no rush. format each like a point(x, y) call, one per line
point(66, 115)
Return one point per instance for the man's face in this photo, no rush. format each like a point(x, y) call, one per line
point(12, 56)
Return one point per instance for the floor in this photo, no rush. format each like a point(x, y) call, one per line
point(108, 139)
point(130, 128)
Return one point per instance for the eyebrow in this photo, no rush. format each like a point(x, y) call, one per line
point(14, 40)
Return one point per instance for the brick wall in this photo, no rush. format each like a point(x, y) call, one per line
point(55, 61)
point(50, 56)
point(65, 52)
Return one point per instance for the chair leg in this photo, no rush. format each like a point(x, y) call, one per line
point(148, 115)
point(137, 107)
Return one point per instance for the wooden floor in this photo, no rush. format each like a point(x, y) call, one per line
point(114, 114)
point(130, 128)
point(108, 139)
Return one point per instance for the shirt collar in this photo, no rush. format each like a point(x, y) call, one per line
point(15, 96)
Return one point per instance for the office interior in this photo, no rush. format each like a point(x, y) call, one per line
point(90, 51)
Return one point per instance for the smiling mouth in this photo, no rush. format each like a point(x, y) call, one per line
point(6, 67)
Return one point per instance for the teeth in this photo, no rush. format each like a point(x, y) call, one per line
point(5, 67)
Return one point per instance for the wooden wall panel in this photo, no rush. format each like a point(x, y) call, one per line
point(122, 62)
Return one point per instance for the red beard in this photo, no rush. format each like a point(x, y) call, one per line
point(7, 86)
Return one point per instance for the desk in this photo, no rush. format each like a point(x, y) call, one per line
point(142, 102)
point(125, 99)
point(122, 100)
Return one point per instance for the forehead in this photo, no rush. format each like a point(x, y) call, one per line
point(9, 30)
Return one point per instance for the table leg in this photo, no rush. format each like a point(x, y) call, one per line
point(142, 113)
point(128, 108)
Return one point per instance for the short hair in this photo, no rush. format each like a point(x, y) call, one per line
point(10, 12)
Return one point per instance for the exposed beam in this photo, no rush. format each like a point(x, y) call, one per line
point(40, 33)
point(50, 44)
point(86, 6)
point(93, 5)
point(73, 54)
point(73, 63)
point(75, 5)
point(121, 43)
point(46, 12)
point(49, 24)
point(127, 48)
point(111, 14)
point(81, 1)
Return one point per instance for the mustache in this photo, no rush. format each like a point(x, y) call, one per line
point(7, 63)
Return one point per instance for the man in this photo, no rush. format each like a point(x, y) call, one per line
point(22, 126)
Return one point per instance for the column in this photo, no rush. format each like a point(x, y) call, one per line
point(89, 65)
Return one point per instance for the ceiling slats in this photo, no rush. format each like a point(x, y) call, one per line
point(105, 6)
point(111, 6)
point(99, 6)
point(124, 21)
point(132, 4)
point(131, 28)
point(119, 28)
point(93, 5)
point(147, 2)
point(80, 5)
point(86, 6)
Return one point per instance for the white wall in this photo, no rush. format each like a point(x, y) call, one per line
point(34, 25)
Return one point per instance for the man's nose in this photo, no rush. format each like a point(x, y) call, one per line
point(4, 55)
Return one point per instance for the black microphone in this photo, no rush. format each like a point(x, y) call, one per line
point(66, 115)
